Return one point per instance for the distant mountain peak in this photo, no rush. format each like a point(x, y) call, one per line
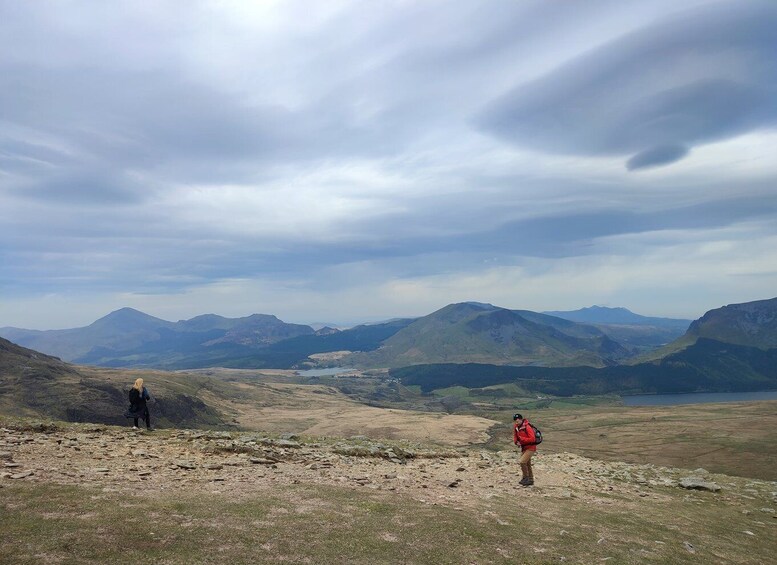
point(126, 311)
point(127, 315)
point(616, 315)
point(597, 308)
point(483, 305)
point(204, 317)
point(262, 317)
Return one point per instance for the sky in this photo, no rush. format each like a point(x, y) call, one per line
point(343, 161)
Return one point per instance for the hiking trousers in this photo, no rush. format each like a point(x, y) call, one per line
point(147, 417)
point(526, 470)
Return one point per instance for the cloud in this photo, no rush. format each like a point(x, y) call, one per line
point(79, 187)
point(176, 158)
point(661, 155)
point(694, 78)
point(676, 274)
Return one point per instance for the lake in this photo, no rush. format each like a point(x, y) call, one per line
point(324, 372)
point(696, 398)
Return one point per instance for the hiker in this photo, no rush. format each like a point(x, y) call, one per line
point(523, 433)
point(138, 397)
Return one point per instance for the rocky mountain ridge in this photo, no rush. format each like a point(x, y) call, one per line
point(750, 323)
point(129, 338)
point(469, 332)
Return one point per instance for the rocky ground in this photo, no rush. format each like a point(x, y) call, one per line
point(242, 464)
point(251, 496)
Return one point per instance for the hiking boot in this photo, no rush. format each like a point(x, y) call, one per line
point(135, 428)
point(527, 482)
point(524, 481)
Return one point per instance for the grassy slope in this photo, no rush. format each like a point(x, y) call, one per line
point(462, 333)
point(100, 395)
point(78, 525)
point(37, 385)
point(314, 523)
point(707, 366)
point(732, 438)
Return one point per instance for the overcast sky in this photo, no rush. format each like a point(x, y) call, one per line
point(341, 161)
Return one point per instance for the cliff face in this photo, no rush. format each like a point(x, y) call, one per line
point(753, 324)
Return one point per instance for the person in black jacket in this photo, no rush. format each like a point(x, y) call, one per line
point(139, 397)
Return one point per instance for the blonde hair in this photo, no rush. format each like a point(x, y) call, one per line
point(138, 384)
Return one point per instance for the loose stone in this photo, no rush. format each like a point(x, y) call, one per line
point(188, 465)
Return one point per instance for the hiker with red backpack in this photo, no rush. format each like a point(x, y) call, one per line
point(528, 437)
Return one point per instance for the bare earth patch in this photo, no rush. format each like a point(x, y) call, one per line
point(324, 411)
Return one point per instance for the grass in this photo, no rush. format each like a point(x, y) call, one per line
point(311, 523)
point(74, 525)
point(733, 438)
point(314, 524)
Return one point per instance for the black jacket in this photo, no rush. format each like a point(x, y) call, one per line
point(138, 407)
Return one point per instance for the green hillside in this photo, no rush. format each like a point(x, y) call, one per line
point(706, 366)
point(471, 332)
point(37, 385)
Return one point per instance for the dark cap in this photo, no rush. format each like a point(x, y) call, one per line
point(517, 417)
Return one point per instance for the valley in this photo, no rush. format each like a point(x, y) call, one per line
point(405, 463)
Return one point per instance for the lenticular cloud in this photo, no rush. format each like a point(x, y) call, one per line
point(654, 94)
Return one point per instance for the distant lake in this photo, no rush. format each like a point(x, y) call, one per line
point(696, 398)
point(324, 372)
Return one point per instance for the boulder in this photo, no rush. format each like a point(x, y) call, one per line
point(695, 483)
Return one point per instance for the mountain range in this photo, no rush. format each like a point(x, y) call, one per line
point(471, 345)
point(642, 333)
point(128, 329)
point(464, 332)
point(467, 332)
point(733, 348)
